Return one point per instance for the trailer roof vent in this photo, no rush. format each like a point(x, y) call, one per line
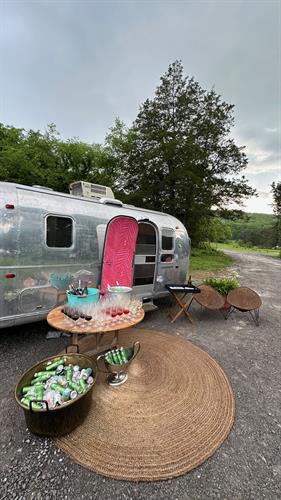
point(110, 201)
point(42, 187)
point(89, 190)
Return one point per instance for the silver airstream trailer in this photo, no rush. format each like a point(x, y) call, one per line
point(48, 238)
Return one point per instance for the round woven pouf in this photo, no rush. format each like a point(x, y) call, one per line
point(174, 411)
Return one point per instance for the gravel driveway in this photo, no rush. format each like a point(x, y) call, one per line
point(248, 464)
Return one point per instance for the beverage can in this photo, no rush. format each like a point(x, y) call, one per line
point(73, 395)
point(54, 365)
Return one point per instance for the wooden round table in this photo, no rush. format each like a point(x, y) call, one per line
point(57, 319)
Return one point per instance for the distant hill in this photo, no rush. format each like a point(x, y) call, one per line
point(254, 230)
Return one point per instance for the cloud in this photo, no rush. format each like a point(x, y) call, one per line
point(81, 64)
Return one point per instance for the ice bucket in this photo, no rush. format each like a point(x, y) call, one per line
point(62, 419)
point(120, 293)
point(81, 300)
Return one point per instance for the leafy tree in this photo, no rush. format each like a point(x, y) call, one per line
point(216, 230)
point(276, 191)
point(30, 157)
point(178, 156)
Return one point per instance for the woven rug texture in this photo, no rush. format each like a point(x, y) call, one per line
point(174, 411)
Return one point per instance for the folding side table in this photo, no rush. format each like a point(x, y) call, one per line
point(183, 295)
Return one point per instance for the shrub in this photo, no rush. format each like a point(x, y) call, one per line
point(222, 285)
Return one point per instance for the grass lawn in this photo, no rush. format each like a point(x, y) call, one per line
point(234, 246)
point(208, 260)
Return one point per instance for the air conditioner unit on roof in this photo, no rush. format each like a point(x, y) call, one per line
point(89, 190)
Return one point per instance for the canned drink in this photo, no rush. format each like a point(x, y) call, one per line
point(41, 379)
point(118, 357)
point(57, 399)
point(39, 390)
point(75, 387)
point(66, 395)
point(61, 380)
point(123, 355)
point(108, 357)
point(118, 354)
point(73, 395)
point(90, 380)
point(54, 365)
point(58, 388)
point(59, 370)
point(49, 397)
point(84, 374)
point(29, 397)
point(83, 384)
point(51, 380)
point(26, 402)
point(115, 357)
point(76, 377)
point(69, 372)
point(42, 374)
point(28, 388)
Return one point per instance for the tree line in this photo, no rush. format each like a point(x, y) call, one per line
point(178, 156)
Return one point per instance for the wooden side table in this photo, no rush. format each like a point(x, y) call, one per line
point(183, 295)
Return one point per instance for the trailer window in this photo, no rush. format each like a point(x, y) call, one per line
point(167, 239)
point(167, 257)
point(59, 232)
point(146, 241)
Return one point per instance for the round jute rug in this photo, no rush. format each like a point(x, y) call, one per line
point(174, 411)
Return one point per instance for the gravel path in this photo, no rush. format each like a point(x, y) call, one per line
point(248, 464)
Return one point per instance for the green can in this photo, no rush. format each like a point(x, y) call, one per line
point(109, 358)
point(29, 397)
point(43, 378)
point(69, 373)
point(75, 387)
point(53, 366)
point(26, 402)
point(115, 358)
point(118, 356)
point(42, 374)
point(64, 392)
point(123, 355)
point(39, 390)
point(28, 388)
point(83, 385)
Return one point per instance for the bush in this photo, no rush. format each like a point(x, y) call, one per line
point(222, 285)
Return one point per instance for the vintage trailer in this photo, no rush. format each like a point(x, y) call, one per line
point(48, 238)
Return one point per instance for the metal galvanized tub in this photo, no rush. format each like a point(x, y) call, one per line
point(119, 293)
point(62, 419)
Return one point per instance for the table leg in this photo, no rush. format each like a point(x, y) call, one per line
point(115, 338)
point(97, 341)
point(75, 338)
point(183, 308)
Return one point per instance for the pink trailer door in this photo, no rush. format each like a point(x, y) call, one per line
point(118, 252)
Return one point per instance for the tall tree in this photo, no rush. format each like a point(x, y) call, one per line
point(276, 191)
point(179, 157)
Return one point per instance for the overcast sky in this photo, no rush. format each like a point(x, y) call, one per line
point(80, 64)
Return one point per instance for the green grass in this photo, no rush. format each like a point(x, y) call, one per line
point(235, 246)
point(208, 259)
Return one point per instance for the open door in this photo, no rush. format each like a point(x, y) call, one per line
point(118, 252)
point(145, 258)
